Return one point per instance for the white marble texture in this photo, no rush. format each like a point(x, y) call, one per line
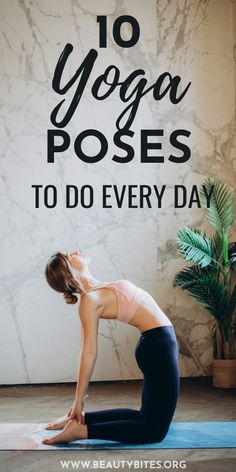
point(39, 337)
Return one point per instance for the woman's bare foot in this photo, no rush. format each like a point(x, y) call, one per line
point(72, 431)
point(60, 423)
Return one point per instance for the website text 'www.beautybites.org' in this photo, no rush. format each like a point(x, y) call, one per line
point(132, 464)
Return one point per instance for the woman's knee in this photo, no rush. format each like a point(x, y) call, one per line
point(153, 433)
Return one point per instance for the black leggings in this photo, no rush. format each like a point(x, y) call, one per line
point(157, 356)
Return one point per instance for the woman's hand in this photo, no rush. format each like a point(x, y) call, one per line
point(61, 422)
point(76, 412)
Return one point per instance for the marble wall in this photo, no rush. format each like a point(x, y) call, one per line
point(40, 335)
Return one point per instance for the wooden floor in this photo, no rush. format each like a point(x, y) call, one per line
point(198, 401)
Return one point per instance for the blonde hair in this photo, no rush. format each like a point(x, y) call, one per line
point(61, 279)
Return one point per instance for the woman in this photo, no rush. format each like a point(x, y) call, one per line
point(156, 353)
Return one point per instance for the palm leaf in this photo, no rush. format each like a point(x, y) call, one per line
point(220, 212)
point(216, 241)
point(232, 302)
point(208, 290)
point(194, 246)
point(225, 248)
point(190, 275)
point(186, 277)
point(232, 262)
point(232, 256)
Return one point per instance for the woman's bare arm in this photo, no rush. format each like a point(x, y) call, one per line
point(89, 318)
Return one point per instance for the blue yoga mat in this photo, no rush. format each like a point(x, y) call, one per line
point(181, 435)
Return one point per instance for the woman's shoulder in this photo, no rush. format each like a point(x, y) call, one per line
point(89, 300)
point(88, 309)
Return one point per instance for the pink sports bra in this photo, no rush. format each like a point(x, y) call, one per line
point(128, 297)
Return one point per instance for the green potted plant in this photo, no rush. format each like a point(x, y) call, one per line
point(210, 278)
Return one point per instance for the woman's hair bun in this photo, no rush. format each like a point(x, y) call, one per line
point(70, 298)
